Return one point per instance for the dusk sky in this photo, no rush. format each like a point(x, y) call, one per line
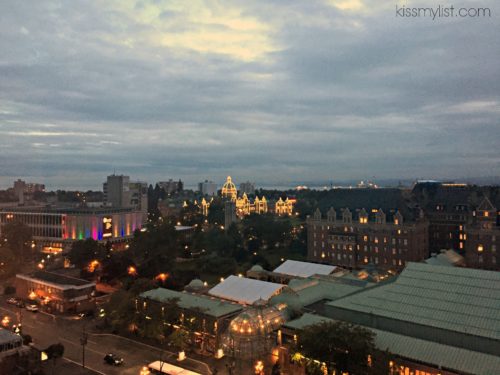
point(269, 91)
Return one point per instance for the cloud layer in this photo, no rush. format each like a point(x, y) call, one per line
point(263, 90)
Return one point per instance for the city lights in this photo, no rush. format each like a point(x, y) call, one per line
point(132, 271)
point(162, 277)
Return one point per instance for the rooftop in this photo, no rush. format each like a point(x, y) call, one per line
point(57, 280)
point(446, 258)
point(305, 292)
point(68, 210)
point(304, 269)
point(457, 299)
point(7, 336)
point(209, 306)
point(448, 357)
point(244, 290)
point(388, 199)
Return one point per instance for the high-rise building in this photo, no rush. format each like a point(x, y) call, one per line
point(139, 195)
point(208, 188)
point(117, 191)
point(120, 192)
point(247, 188)
point(171, 186)
point(23, 189)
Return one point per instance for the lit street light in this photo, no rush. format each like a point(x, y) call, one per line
point(259, 368)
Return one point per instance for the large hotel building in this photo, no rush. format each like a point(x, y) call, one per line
point(354, 237)
point(354, 242)
point(55, 229)
point(410, 226)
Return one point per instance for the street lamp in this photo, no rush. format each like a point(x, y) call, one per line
point(259, 368)
point(162, 277)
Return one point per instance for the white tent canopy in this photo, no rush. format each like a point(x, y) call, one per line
point(245, 291)
point(304, 269)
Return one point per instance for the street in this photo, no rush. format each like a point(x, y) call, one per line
point(47, 329)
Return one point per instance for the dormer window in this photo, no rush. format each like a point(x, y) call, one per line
point(347, 216)
point(398, 218)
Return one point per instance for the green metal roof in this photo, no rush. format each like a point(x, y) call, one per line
point(306, 320)
point(428, 352)
point(448, 357)
point(305, 292)
point(458, 299)
point(208, 305)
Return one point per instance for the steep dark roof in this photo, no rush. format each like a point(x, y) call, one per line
point(389, 200)
point(429, 196)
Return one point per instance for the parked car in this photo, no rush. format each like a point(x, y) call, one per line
point(32, 308)
point(113, 359)
point(86, 314)
point(12, 300)
point(20, 304)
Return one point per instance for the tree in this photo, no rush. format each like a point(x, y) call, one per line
point(17, 237)
point(276, 369)
point(8, 262)
point(54, 352)
point(179, 339)
point(155, 250)
point(342, 346)
point(84, 251)
point(216, 212)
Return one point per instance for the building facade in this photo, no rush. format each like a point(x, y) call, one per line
point(208, 188)
point(481, 237)
point(55, 292)
point(54, 230)
point(247, 188)
point(171, 186)
point(204, 318)
point(355, 239)
point(117, 191)
point(462, 218)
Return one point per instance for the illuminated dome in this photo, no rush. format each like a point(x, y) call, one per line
point(250, 334)
point(229, 189)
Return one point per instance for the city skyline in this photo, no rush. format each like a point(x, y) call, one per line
point(341, 90)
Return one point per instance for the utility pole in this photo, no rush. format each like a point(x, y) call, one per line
point(83, 342)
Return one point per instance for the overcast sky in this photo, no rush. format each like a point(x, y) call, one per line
point(270, 91)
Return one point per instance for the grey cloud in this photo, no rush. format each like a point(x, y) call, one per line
point(345, 95)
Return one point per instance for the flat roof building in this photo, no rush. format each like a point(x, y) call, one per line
point(55, 229)
point(55, 292)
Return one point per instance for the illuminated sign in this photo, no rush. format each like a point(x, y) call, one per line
point(107, 227)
